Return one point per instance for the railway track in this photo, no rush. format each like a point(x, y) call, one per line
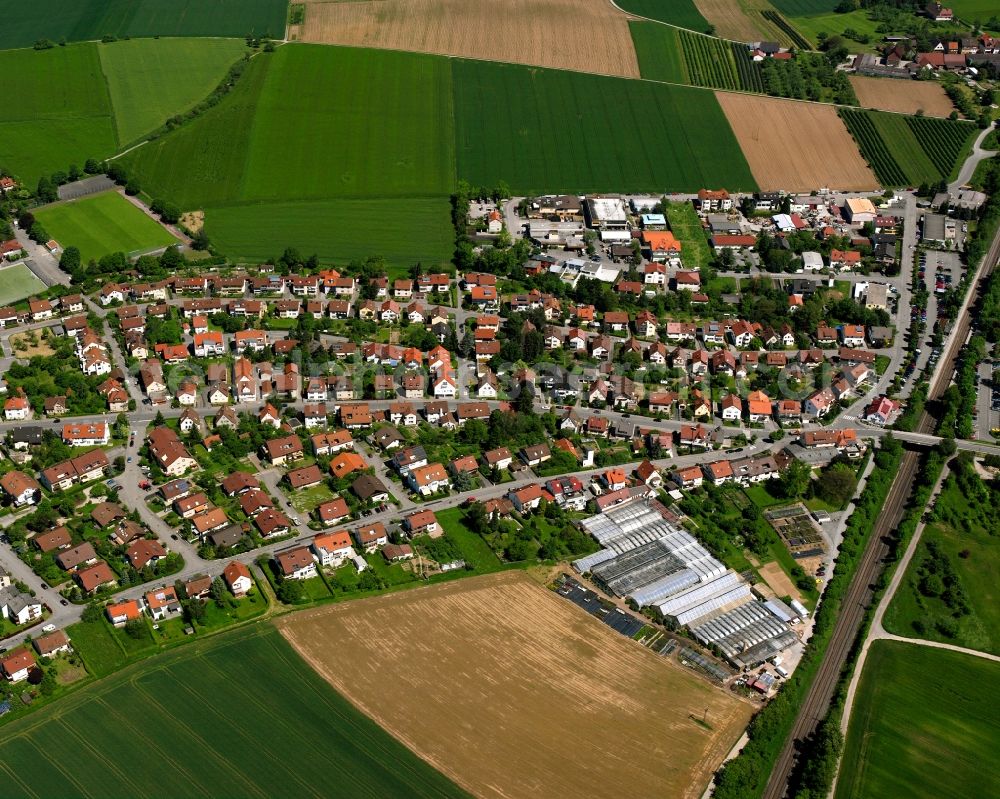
point(860, 592)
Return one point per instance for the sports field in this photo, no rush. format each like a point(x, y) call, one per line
point(403, 232)
point(546, 130)
point(84, 20)
point(101, 224)
point(18, 282)
point(150, 80)
point(513, 692)
point(549, 34)
point(57, 110)
point(924, 725)
point(239, 714)
point(903, 96)
point(682, 13)
point(796, 146)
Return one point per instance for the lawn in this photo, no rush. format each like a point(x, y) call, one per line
point(97, 645)
point(203, 710)
point(102, 224)
point(58, 110)
point(682, 13)
point(403, 232)
point(76, 20)
point(308, 499)
point(150, 80)
point(474, 549)
point(965, 522)
point(686, 226)
point(659, 52)
point(548, 130)
point(924, 724)
point(18, 282)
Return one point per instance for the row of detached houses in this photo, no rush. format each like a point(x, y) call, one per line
point(164, 603)
point(327, 283)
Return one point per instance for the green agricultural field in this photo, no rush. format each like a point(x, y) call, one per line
point(239, 714)
point(906, 150)
point(682, 13)
point(151, 80)
point(924, 726)
point(658, 49)
point(79, 20)
point(18, 282)
point(58, 110)
point(341, 122)
point(710, 62)
point(547, 130)
point(301, 124)
point(403, 232)
point(972, 10)
point(102, 224)
point(962, 548)
point(202, 163)
point(804, 8)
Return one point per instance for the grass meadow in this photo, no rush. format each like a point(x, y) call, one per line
point(682, 13)
point(658, 49)
point(150, 80)
point(89, 100)
point(58, 110)
point(236, 715)
point(963, 529)
point(101, 224)
point(84, 20)
point(18, 282)
point(924, 724)
point(547, 130)
point(402, 232)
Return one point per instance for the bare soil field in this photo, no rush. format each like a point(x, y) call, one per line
point(778, 581)
point(582, 35)
point(904, 96)
point(795, 146)
point(513, 692)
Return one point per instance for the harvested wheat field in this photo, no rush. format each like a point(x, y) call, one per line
point(513, 692)
point(730, 19)
point(795, 146)
point(904, 96)
point(582, 35)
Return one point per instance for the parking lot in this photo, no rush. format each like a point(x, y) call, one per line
point(987, 403)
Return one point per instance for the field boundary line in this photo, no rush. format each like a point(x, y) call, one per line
point(147, 741)
point(109, 764)
point(58, 767)
point(279, 721)
point(194, 695)
point(28, 790)
point(191, 731)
